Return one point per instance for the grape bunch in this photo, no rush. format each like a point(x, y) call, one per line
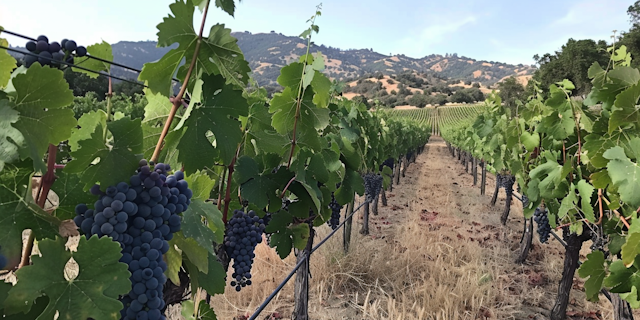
point(142, 216)
point(387, 163)
point(409, 154)
point(335, 213)
point(372, 185)
point(51, 54)
point(3, 261)
point(544, 229)
point(599, 242)
point(244, 231)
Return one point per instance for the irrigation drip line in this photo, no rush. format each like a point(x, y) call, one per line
point(88, 55)
point(75, 66)
point(299, 264)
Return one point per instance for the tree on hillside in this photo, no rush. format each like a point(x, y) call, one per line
point(510, 91)
point(631, 38)
point(571, 62)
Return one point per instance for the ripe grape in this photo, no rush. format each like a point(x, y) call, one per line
point(31, 46)
point(70, 45)
point(372, 185)
point(42, 46)
point(335, 213)
point(43, 38)
point(544, 229)
point(242, 234)
point(54, 47)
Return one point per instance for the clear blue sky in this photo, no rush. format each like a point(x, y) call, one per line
point(497, 30)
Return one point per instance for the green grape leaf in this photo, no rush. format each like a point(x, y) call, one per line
point(201, 185)
point(322, 86)
point(256, 188)
point(195, 253)
point(219, 52)
point(550, 175)
point(260, 134)
point(595, 146)
point(99, 50)
point(38, 307)
point(282, 242)
point(568, 202)
point(530, 141)
point(42, 97)
point(173, 257)
point(291, 75)
point(624, 109)
point(559, 125)
point(87, 123)
point(92, 294)
point(7, 63)
point(213, 279)
point(631, 249)
point(20, 212)
point(593, 268)
point(221, 105)
point(311, 119)
point(205, 310)
point(621, 279)
point(117, 158)
point(194, 227)
point(156, 113)
point(301, 235)
point(68, 187)
point(352, 183)
point(10, 137)
point(586, 191)
point(625, 175)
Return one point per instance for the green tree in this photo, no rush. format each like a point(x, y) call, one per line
point(571, 62)
point(510, 91)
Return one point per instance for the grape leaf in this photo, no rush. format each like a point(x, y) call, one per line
point(624, 110)
point(201, 185)
point(156, 113)
point(204, 310)
point(173, 257)
point(260, 134)
point(221, 105)
point(631, 249)
point(301, 235)
point(530, 141)
point(7, 63)
point(625, 175)
point(568, 202)
point(10, 137)
point(586, 191)
point(593, 268)
point(87, 123)
point(42, 97)
point(206, 313)
point(212, 280)
point(596, 145)
point(98, 50)
point(195, 253)
point(194, 228)
point(92, 294)
point(622, 279)
point(219, 52)
point(282, 242)
point(19, 212)
point(68, 187)
point(118, 157)
point(558, 125)
point(351, 184)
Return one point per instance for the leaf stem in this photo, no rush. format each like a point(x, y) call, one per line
point(109, 95)
point(178, 100)
point(287, 187)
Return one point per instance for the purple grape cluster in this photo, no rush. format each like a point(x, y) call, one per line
point(51, 54)
point(242, 235)
point(335, 213)
point(142, 216)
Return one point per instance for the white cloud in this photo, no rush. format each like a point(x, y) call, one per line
point(436, 32)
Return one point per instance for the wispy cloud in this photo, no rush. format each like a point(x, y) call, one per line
point(438, 29)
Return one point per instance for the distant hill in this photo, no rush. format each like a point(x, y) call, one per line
point(268, 52)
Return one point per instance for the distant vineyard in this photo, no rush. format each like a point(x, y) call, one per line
point(440, 117)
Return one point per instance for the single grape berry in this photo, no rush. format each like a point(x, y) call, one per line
point(31, 46)
point(42, 46)
point(81, 51)
point(54, 47)
point(70, 45)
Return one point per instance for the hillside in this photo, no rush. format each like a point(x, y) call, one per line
point(268, 52)
point(411, 88)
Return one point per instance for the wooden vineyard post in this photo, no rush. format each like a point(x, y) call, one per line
point(347, 227)
point(365, 219)
point(374, 210)
point(474, 170)
point(383, 195)
point(301, 285)
point(483, 179)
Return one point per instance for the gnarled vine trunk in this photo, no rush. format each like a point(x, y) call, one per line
point(365, 219)
point(383, 195)
point(474, 170)
point(525, 243)
point(571, 258)
point(507, 182)
point(483, 180)
point(495, 192)
point(621, 309)
point(374, 209)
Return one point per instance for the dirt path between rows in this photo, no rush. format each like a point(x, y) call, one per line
point(437, 251)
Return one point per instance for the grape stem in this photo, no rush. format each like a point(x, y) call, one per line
point(178, 99)
point(109, 95)
point(621, 217)
point(287, 186)
point(227, 196)
point(43, 192)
